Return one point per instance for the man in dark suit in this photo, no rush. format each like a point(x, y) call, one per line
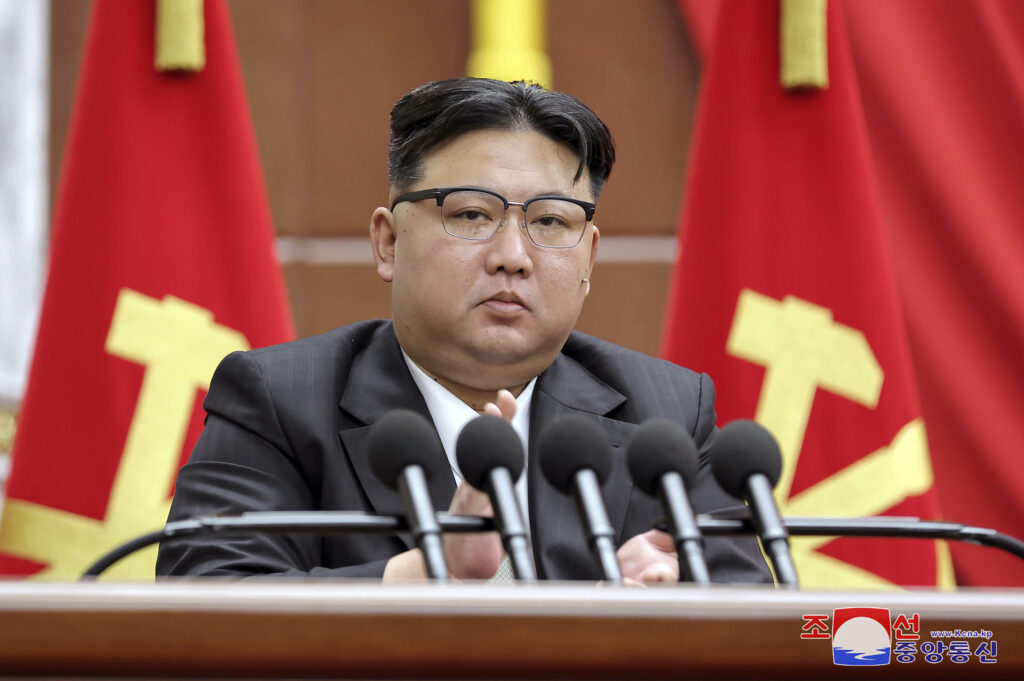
point(485, 292)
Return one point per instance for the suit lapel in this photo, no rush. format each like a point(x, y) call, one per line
point(379, 382)
point(559, 542)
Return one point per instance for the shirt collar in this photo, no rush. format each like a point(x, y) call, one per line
point(450, 414)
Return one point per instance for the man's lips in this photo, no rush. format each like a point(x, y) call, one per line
point(506, 301)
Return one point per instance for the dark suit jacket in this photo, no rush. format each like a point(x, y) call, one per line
point(287, 429)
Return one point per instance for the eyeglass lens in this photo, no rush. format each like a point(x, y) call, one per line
point(477, 215)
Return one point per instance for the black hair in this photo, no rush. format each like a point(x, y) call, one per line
point(437, 112)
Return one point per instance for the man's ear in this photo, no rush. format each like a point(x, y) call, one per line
point(382, 241)
point(595, 238)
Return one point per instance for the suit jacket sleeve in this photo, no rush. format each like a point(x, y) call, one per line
point(623, 389)
point(730, 559)
point(243, 461)
point(691, 401)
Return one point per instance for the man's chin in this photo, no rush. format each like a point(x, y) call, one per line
point(501, 355)
point(505, 346)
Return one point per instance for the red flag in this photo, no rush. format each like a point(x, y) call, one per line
point(943, 89)
point(783, 292)
point(161, 263)
point(700, 18)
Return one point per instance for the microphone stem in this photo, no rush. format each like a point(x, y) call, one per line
point(782, 561)
point(509, 520)
point(426, 532)
point(771, 528)
point(685, 533)
point(598, 527)
point(518, 550)
point(432, 548)
point(605, 549)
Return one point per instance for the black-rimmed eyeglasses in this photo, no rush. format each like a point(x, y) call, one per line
point(477, 214)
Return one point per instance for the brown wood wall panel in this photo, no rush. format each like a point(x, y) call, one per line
point(67, 37)
point(326, 296)
point(322, 75)
point(364, 56)
point(272, 45)
point(626, 304)
point(633, 64)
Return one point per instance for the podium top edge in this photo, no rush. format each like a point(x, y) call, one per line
point(555, 598)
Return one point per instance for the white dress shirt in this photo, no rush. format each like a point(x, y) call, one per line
point(450, 415)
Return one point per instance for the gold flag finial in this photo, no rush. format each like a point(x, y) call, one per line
point(179, 35)
point(509, 41)
point(8, 426)
point(803, 44)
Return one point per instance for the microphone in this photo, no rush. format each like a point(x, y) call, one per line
point(662, 460)
point(405, 453)
point(576, 458)
point(490, 456)
point(331, 523)
point(746, 463)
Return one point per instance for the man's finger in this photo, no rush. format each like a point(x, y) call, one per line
point(507, 404)
point(659, 572)
point(472, 555)
point(470, 501)
point(661, 540)
point(504, 405)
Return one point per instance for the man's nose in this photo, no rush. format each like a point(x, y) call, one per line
point(509, 248)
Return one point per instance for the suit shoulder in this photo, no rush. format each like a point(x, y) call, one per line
point(323, 359)
point(608, 360)
point(345, 340)
point(300, 382)
point(652, 387)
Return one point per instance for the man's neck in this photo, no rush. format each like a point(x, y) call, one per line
point(474, 397)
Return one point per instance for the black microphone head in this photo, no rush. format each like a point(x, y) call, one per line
point(404, 438)
point(744, 448)
point(660, 446)
point(569, 445)
point(488, 442)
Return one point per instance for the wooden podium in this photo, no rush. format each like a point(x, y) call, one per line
point(283, 629)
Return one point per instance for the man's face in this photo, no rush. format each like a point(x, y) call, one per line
point(485, 314)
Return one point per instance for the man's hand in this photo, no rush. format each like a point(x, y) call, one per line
point(469, 555)
point(472, 555)
point(649, 557)
point(503, 406)
point(475, 555)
